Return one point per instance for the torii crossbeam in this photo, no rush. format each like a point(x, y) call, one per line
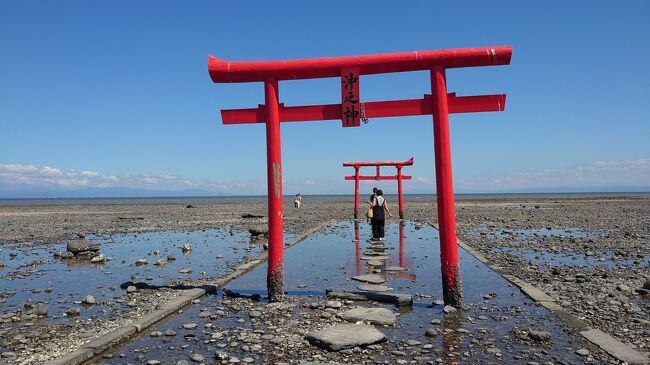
point(377, 164)
point(350, 111)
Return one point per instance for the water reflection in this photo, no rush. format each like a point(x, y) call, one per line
point(377, 253)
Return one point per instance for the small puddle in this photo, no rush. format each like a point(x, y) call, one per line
point(327, 260)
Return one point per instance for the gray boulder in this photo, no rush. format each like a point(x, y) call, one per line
point(77, 246)
point(40, 309)
point(260, 230)
point(345, 336)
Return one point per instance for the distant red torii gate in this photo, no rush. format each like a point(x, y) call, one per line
point(350, 111)
point(399, 177)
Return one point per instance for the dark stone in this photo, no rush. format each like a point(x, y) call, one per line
point(77, 246)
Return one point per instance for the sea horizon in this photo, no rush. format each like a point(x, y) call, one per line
point(317, 197)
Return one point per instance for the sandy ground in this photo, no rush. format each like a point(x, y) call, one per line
point(515, 233)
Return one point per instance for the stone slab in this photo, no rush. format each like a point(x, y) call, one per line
point(378, 316)
point(345, 336)
point(369, 278)
point(615, 347)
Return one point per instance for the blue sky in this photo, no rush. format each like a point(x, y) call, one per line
point(116, 93)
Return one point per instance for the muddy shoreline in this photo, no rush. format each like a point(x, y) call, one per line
point(589, 254)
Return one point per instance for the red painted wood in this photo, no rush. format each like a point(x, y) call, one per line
point(374, 109)
point(251, 71)
point(275, 274)
point(408, 162)
point(383, 178)
point(451, 282)
point(400, 197)
point(356, 192)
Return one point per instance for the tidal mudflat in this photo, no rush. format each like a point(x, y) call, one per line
point(497, 324)
point(592, 260)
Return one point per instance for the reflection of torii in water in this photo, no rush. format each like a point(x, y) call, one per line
point(404, 262)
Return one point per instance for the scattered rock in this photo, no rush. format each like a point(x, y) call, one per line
point(344, 336)
point(131, 289)
point(186, 247)
point(40, 309)
point(449, 309)
point(582, 352)
point(77, 246)
point(369, 278)
point(379, 316)
point(373, 287)
point(141, 262)
point(260, 230)
point(88, 300)
point(335, 304)
point(432, 332)
point(622, 287)
point(99, 258)
point(539, 335)
point(73, 311)
point(197, 357)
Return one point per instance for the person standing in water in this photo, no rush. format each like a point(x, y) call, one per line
point(372, 197)
point(378, 221)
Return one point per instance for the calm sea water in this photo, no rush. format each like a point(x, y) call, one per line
point(262, 198)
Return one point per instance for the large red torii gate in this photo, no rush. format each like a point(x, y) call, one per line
point(377, 164)
point(350, 111)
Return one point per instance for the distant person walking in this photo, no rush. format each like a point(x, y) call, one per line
point(378, 221)
point(297, 200)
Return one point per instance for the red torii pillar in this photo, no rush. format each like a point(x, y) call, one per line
point(399, 177)
point(350, 111)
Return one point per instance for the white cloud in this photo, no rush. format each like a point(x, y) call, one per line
point(600, 174)
point(39, 176)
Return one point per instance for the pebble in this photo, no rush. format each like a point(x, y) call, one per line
point(131, 289)
point(98, 258)
point(582, 352)
point(88, 299)
point(539, 335)
point(73, 311)
point(335, 304)
point(169, 333)
point(449, 309)
point(155, 334)
point(197, 357)
point(189, 326)
point(40, 309)
point(186, 247)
